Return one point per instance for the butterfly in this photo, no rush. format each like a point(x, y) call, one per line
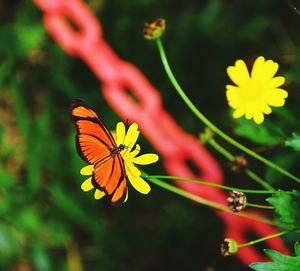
point(96, 145)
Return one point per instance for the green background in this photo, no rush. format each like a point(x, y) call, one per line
point(46, 221)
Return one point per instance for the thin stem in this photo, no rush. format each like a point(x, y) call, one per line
point(293, 7)
point(259, 180)
point(206, 202)
point(209, 124)
point(250, 191)
point(259, 206)
point(230, 157)
point(264, 239)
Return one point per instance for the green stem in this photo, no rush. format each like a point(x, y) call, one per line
point(206, 202)
point(259, 206)
point(209, 124)
point(230, 157)
point(264, 239)
point(293, 7)
point(252, 191)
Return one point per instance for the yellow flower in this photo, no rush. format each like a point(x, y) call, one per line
point(87, 184)
point(130, 159)
point(253, 95)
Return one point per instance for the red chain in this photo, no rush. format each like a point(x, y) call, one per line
point(175, 146)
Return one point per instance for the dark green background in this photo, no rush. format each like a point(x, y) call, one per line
point(46, 221)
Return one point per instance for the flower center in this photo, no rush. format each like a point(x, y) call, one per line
point(251, 90)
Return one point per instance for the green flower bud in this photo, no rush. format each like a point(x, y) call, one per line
point(229, 247)
point(154, 30)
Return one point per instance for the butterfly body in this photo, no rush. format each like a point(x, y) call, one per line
point(96, 145)
point(118, 149)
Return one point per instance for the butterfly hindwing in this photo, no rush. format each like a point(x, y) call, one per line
point(110, 178)
point(94, 143)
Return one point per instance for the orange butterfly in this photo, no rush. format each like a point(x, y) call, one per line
point(96, 145)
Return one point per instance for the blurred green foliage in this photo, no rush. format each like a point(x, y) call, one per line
point(293, 142)
point(46, 222)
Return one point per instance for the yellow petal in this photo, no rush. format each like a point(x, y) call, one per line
point(120, 133)
point(99, 194)
point(87, 185)
point(132, 169)
point(232, 96)
point(265, 109)
point(131, 136)
point(258, 68)
point(277, 97)
point(136, 151)
point(146, 159)
point(249, 111)
point(271, 68)
point(276, 82)
point(231, 90)
point(128, 154)
point(238, 113)
point(87, 170)
point(139, 184)
point(248, 115)
point(258, 117)
point(238, 73)
point(263, 70)
point(126, 198)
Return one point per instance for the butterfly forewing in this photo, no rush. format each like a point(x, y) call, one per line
point(95, 144)
point(91, 149)
point(87, 121)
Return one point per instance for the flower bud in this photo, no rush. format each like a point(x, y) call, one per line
point(154, 30)
point(236, 201)
point(229, 247)
point(239, 164)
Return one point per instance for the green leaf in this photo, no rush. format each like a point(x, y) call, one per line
point(259, 134)
point(273, 129)
point(294, 142)
point(287, 206)
point(280, 262)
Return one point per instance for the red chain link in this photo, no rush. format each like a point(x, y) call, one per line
point(122, 80)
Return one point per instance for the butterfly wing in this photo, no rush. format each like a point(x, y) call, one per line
point(94, 143)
